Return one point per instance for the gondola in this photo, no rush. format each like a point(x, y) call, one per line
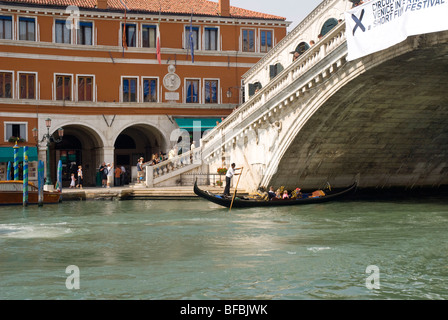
point(247, 202)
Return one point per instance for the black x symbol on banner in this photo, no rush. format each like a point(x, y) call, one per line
point(358, 22)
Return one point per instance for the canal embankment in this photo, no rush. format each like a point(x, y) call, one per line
point(138, 193)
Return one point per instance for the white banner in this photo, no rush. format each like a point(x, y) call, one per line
point(380, 24)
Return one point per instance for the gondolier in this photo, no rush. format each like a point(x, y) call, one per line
point(230, 173)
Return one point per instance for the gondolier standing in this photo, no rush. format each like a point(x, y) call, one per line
point(230, 173)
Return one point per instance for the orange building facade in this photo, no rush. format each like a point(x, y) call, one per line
point(94, 67)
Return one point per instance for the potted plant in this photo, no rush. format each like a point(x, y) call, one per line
point(15, 139)
point(222, 171)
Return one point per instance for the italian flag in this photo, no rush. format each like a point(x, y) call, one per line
point(159, 55)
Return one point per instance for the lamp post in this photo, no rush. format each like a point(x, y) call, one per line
point(49, 139)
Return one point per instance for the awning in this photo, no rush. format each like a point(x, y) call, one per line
point(197, 123)
point(7, 154)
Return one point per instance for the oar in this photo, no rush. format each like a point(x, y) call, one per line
point(234, 194)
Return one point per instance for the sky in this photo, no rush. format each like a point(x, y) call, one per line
point(293, 10)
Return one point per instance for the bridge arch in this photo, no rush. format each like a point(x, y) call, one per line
point(80, 145)
point(370, 119)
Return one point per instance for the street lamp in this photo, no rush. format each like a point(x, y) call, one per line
point(49, 139)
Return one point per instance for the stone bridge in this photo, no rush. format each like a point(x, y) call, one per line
point(382, 118)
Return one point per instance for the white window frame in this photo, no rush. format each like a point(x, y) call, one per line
point(137, 86)
point(93, 87)
point(218, 90)
point(54, 85)
point(35, 28)
point(6, 123)
point(140, 43)
point(36, 94)
point(259, 37)
point(137, 35)
point(218, 38)
point(12, 26)
point(54, 31)
point(142, 98)
point(199, 90)
point(255, 39)
point(184, 35)
point(13, 89)
point(75, 40)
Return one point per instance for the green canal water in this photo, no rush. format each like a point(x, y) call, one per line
point(197, 250)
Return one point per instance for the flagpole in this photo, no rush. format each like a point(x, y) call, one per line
point(158, 49)
point(123, 36)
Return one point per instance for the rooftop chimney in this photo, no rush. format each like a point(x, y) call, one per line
point(101, 4)
point(224, 8)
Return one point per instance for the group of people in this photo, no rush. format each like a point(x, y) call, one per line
point(76, 182)
point(112, 175)
point(282, 193)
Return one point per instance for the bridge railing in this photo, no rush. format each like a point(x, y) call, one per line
point(241, 118)
point(187, 159)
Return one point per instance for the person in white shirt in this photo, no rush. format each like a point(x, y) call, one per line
point(230, 173)
point(110, 174)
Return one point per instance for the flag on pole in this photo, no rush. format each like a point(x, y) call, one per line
point(191, 38)
point(123, 39)
point(159, 55)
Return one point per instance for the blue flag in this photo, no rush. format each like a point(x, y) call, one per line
point(191, 39)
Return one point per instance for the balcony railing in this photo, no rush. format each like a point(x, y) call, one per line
point(242, 118)
point(172, 167)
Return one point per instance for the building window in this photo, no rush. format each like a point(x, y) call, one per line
point(150, 90)
point(5, 27)
point(63, 87)
point(85, 33)
point(85, 88)
point(27, 86)
point(265, 40)
point(211, 38)
point(211, 91)
point(5, 84)
point(130, 32)
point(248, 40)
point(192, 91)
point(129, 90)
point(328, 25)
point(149, 36)
point(62, 33)
point(16, 130)
point(27, 29)
point(254, 88)
point(195, 31)
point(274, 70)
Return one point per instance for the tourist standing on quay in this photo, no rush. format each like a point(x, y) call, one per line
point(123, 175)
point(140, 171)
point(103, 173)
point(117, 176)
point(110, 174)
point(79, 185)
